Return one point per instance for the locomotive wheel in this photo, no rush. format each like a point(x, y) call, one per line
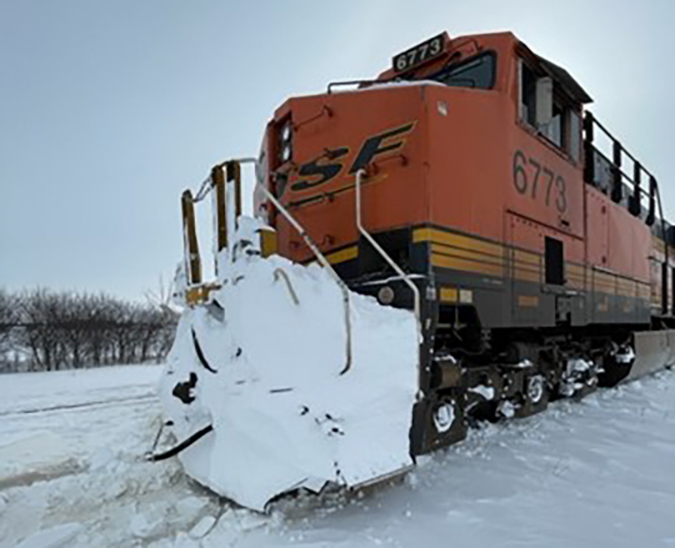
point(578, 383)
point(438, 421)
point(534, 397)
point(590, 386)
point(447, 420)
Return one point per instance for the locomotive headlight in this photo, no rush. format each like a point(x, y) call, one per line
point(444, 416)
point(286, 152)
point(286, 141)
point(385, 295)
point(286, 133)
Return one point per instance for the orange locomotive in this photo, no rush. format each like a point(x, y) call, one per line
point(482, 178)
point(540, 261)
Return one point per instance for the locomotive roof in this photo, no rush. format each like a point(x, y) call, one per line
point(566, 80)
point(558, 73)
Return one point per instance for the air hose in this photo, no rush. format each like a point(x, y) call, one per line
point(155, 457)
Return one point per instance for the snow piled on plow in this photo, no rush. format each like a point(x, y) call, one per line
point(285, 413)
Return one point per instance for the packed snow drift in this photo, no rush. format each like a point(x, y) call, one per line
point(265, 363)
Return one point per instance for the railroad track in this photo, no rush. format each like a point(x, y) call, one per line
point(152, 397)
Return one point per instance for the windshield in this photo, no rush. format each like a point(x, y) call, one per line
point(476, 72)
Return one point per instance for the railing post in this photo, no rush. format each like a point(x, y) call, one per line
point(651, 215)
point(232, 194)
point(233, 170)
point(193, 264)
point(218, 182)
point(635, 206)
point(664, 286)
point(589, 150)
point(664, 269)
point(617, 185)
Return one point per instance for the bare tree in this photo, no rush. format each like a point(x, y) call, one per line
point(7, 316)
point(8, 319)
point(72, 330)
point(39, 333)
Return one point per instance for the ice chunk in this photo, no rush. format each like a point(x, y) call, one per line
point(55, 537)
point(202, 528)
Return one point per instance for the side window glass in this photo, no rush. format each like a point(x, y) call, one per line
point(555, 262)
point(544, 106)
point(556, 130)
point(528, 95)
point(477, 72)
point(575, 136)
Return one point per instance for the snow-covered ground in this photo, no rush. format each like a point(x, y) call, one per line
point(596, 473)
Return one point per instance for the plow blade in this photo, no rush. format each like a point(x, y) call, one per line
point(257, 387)
point(654, 350)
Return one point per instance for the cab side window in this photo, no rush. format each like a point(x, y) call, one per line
point(528, 94)
point(477, 72)
point(544, 106)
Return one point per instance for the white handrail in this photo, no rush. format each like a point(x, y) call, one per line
point(416, 292)
point(320, 257)
point(360, 174)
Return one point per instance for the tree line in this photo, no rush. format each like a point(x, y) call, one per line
point(45, 330)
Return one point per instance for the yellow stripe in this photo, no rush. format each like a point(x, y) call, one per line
point(604, 276)
point(469, 254)
point(526, 275)
point(576, 281)
point(528, 301)
point(527, 257)
point(343, 255)
point(626, 288)
point(465, 253)
point(449, 294)
point(457, 240)
point(604, 283)
point(466, 265)
point(576, 275)
point(604, 289)
point(526, 267)
point(199, 294)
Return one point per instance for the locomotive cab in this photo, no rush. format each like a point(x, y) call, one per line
point(440, 134)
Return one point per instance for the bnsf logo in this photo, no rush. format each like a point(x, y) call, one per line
point(330, 165)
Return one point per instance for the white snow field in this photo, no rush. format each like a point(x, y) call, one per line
point(596, 473)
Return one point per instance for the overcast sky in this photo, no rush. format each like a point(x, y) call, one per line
point(108, 110)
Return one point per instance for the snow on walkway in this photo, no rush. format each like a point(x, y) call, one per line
point(596, 473)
